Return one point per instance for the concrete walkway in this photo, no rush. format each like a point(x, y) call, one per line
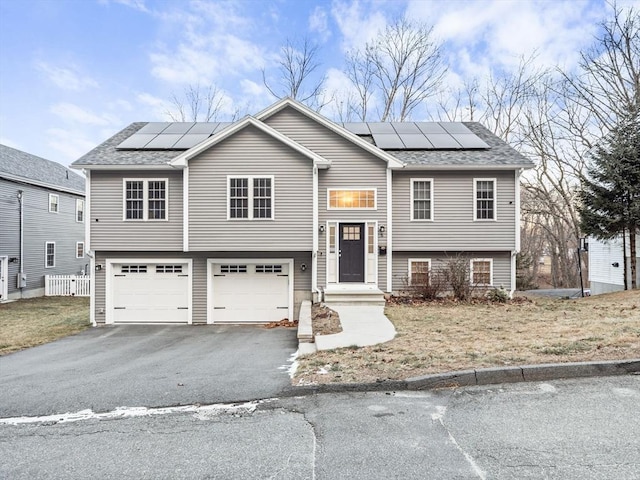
point(362, 325)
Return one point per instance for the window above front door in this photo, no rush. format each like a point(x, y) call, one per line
point(353, 199)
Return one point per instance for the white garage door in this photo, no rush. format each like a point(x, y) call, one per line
point(250, 292)
point(150, 292)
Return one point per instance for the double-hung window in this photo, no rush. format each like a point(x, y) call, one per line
point(54, 202)
point(419, 271)
point(50, 254)
point(79, 249)
point(79, 210)
point(145, 199)
point(250, 198)
point(421, 199)
point(484, 194)
point(482, 271)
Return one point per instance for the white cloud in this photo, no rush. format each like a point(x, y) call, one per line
point(208, 41)
point(67, 78)
point(358, 23)
point(253, 89)
point(134, 4)
point(318, 23)
point(72, 113)
point(71, 144)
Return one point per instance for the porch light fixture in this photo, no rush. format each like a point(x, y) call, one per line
point(382, 229)
point(98, 267)
point(321, 228)
point(13, 260)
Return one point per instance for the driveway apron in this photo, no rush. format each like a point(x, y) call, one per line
point(147, 366)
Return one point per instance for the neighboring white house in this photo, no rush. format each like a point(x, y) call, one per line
point(606, 265)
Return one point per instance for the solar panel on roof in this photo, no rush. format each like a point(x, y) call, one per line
point(380, 127)
point(388, 141)
point(203, 127)
point(190, 140)
point(163, 141)
point(443, 140)
point(178, 127)
point(415, 141)
point(430, 127)
point(469, 140)
point(153, 127)
point(455, 127)
point(405, 127)
point(137, 140)
point(221, 126)
point(359, 128)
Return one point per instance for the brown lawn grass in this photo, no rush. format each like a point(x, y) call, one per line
point(34, 321)
point(446, 336)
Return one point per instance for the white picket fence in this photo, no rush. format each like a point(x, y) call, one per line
point(67, 285)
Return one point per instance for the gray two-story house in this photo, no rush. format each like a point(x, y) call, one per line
point(239, 222)
point(42, 223)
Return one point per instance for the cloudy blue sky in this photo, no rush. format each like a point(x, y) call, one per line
point(73, 72)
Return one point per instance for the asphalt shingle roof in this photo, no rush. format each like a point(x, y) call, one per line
point(31, 168)
point(500, 154)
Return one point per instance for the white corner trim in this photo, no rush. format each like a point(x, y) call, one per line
point(92, 290)
point(315, 226)
point(513, 274)
point(518, 173)
point(185, 209)
point(389, 231)
point(87, 214)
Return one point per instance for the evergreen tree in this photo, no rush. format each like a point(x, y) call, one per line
point(610, 196)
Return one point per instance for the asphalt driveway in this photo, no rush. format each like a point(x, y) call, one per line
point(147, 366)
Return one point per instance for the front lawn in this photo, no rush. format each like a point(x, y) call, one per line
point(34, 321)
point(445, 336)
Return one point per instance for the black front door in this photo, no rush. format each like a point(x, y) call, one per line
point(351, 252)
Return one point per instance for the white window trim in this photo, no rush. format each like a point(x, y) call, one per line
point(375, 198)
point(413, 181)
point(145, 199)
point(83, 251)
point(475, 200)
point(250, 179)
point(57, 197)
point(80, 201)
point(46, 247)
point(490, 260)
point(415, 260)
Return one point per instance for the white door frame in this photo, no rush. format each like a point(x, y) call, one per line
point(213, 261)
point(367, 269)
point(110, 262)
point(4, 278)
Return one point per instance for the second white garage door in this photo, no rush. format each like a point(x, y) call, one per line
point(244, 291)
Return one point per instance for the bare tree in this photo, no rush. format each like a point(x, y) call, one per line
point(197, 104)
point(296, 65)
point(401, 68)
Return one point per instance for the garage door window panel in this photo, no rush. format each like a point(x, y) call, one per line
point(145, 199)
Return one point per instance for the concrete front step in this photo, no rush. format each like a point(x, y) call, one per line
point(373, 297)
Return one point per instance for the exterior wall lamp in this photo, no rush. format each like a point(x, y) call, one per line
point(321, 228)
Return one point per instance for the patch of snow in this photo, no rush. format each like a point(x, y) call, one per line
point(201, 412)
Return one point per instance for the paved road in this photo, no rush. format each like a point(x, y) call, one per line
point(147, 365)
point(570, 429)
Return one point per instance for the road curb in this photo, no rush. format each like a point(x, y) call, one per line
point(483, 376)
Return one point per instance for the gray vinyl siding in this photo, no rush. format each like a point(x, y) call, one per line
point(351, 168)
point(501, 265)
point(251, 152)
point(40, 226)
point(302, 280)
point(453, 207)
point(108, 229)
